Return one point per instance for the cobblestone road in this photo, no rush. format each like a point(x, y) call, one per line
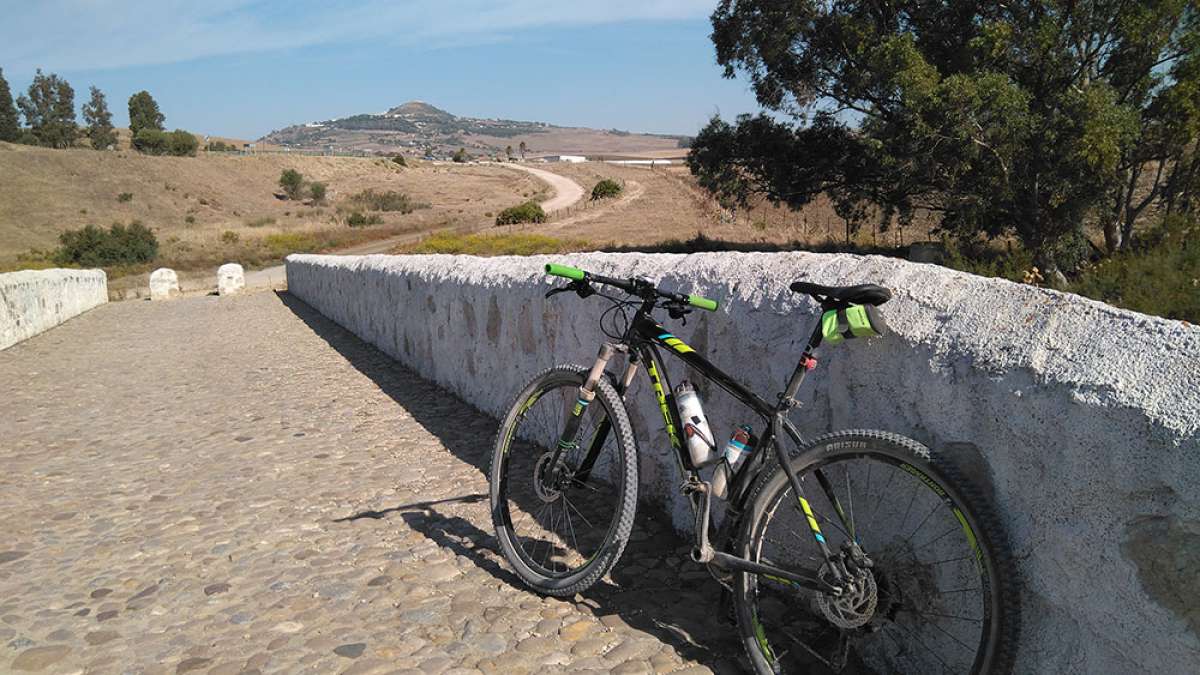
point(230, 485)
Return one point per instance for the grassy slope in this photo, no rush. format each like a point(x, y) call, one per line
point(45, 192)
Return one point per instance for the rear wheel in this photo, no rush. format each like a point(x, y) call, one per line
point(939, 594)
point(563, 524)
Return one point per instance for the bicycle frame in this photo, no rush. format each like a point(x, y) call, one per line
point(644, 341)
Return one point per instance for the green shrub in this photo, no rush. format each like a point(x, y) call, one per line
point(529, 212)
point(399, 159)
point(230, 237)
point(391, 200)
point(605, 189)
point(461, 156)
point(317, 192)
point(96, 247)
point(292, 182)
point(190, 220)
point(261, 222)
point(125, 197)
point(151, 142)
point(284, 243)
point(358, 219)
point(182, 143)
point(1160, 275)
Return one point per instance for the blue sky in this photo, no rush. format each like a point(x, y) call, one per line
point(244, 67)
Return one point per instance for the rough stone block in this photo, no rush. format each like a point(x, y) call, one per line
point(231, 279)
point(164, 284)
point(35, 301)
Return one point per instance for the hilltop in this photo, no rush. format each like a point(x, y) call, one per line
point(416, 126)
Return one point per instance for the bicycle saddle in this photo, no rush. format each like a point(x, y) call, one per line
point(862, 294)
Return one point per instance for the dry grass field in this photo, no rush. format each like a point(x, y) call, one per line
point(218, 207)
point(664, 204)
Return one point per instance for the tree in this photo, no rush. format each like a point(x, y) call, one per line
point(49, 110)
point(144, 113)
point(522, 146)
point(1026, 117)
point(508, 152)
point(99, 121)
point(10, 127)
point(292, 182)
point(317, 192)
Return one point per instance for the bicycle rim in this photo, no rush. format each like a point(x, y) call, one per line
point(558, 531)
point(929, 604)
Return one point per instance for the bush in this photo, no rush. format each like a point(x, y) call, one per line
point(182, 143)
point(605, 189)
point(125, 197)
point(190, 220)
point(151, 142)
point(391, 200)
point(461, 156)
point(317, 192)
point(220, 146)
point(529, 212)
point(357, 219)
point(96, 247)
point(292, 182)
point(229, 237)
point(1160, 276)
point(399, 159)
point(261, 222)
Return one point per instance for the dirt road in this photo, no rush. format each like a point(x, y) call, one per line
point(566, 193)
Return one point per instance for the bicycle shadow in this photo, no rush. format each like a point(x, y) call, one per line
point(654, 588)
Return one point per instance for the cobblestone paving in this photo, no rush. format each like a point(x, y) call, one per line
point(236, 485)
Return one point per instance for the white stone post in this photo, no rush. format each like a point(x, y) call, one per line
point(231, 279)
point(164, 284)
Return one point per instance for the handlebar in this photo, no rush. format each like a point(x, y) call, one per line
point(637, 287)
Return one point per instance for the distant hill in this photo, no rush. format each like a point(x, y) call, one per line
point(416, 127)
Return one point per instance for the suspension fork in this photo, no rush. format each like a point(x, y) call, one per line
point(587, 392)
point(601, 434)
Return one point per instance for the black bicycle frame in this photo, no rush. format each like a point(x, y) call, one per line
point(643, 341)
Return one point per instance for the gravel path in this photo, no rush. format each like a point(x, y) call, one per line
point(236, 485)
point(566, 191)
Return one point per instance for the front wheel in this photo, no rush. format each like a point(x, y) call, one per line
point(563, 523)
point(939, 594)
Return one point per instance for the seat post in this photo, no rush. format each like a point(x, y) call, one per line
point(806, 363)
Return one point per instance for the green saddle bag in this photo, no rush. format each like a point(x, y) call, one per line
point(855, 321)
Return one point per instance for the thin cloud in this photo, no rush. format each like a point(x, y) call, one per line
point(102, 34)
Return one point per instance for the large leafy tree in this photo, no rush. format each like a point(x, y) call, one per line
point(99, 121)
point(144, 113)
point(49, 110)
point(10, 129)
point(1030, 117)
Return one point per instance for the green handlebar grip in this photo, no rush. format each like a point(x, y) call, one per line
point(702, 302)
point(564, 271)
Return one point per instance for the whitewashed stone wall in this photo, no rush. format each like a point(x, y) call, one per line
point(1086, 417)
point(33, 301)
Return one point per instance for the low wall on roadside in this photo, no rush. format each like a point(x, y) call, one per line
point(1086, 418)
point(34, 301)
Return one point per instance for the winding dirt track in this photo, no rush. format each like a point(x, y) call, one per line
point(566, 193)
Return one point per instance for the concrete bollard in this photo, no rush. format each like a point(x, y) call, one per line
point(231, 279)
point(164, 284)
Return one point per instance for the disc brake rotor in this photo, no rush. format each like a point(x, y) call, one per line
point(850, 609)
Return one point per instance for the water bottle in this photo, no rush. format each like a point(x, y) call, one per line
point(695, 425)
point(736, 451)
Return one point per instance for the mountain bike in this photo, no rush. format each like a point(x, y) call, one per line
point(861, 551)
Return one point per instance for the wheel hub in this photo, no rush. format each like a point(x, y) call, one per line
point(855, 606)
point(547, 491)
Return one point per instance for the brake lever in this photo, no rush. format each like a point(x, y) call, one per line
point(581, 287)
